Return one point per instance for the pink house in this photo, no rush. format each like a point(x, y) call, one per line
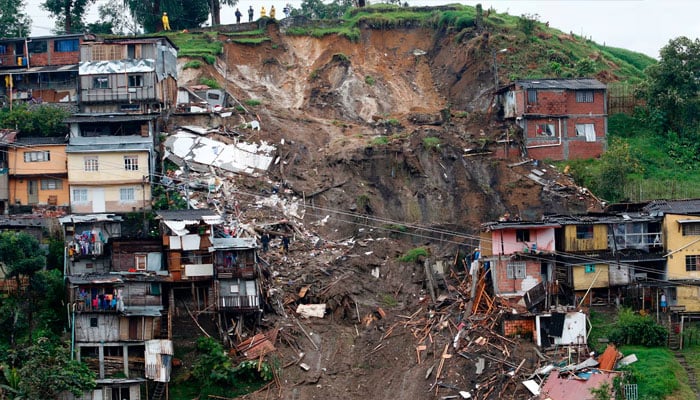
point(519, 255)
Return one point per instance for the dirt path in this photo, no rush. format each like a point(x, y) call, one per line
point(692, 380)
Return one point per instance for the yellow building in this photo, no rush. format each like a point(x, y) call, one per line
point(681, 238)
point(37, 172)
point(109, 174)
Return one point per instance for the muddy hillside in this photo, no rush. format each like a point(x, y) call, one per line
point(383, 145)
point(397, 125)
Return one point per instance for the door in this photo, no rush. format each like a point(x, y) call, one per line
point(252, 293)
point(133, 329)
point(32, 191)
point(98, 200)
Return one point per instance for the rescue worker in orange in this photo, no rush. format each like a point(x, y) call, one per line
point(166, 22)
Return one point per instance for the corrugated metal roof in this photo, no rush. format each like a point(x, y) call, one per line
point(494, 226)
point(116, 66)
point(41, 140)
point(183, 215)
point(234, 243)
point(71, 219)
point(108, 147)
point(572, 84)
point(78, 118)
point(660, 207)
point(562, 388)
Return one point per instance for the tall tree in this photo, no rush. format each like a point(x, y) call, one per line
point(317, 9)
point(215, 9)
point(183, 14)
point(69, 14)
point(13, 21)
point(673, 87)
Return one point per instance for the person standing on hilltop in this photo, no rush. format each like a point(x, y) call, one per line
point(166, 22)
point(238, 16)
point(286, 10)
point(250, 14)
point(263, 14)
point(272, 12)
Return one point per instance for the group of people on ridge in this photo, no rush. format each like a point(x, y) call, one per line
point(287, 11)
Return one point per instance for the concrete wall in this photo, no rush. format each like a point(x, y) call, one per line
point(544, 238)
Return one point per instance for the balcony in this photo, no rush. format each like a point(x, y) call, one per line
point(251, 303)
point(236, 271)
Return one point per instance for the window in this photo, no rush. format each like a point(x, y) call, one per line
point(584, 232)
point(522, 235)
point(93, 322)
point(135, 80)
point(213, 96)
point(691, 263)
point(140, 262)
point(545, 130)
point(80, 196)
point(532, 96)
point(587, 130)
point(516, 270)
point(590, 268)
point(129, 107)
point(155, 289)
point(51, 184)
point(37, 156)
point(126, 194)
point(61, 46)
point(91, 164)
point(691, 229)
point(131, 163)
point(120, 393)
point(37, 46)
point(584, 96)
point(100, 82)
point(3, 49)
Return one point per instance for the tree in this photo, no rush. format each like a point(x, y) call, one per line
point(616, 164)
point(47, 371)
point(183, 14)
point(42, 120)
point(316, 9)
point(117, 14)
point(13, 21)
point(672, 86)
point(215, 9)
point(68, 13)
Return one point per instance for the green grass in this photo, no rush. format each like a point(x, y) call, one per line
point(380, 141)
point(256, 32)
point(212, 83)
point(658, 374)
point(197, 44)
point(252, 41)
point(253, 102)
point(196, 64)
point(431, 143)
point(414, 254)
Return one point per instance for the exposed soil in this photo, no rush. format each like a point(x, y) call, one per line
point(324, 104)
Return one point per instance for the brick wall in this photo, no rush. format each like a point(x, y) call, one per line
point(510, 285)
point(520, 326)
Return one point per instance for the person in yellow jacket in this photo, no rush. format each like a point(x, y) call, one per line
point(166, 22)
point(272, 12)
point(262, 12)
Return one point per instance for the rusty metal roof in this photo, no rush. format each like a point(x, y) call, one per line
point(571, 84)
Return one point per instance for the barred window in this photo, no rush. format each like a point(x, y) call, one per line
point(91, 164)
point(80, 196)
point(37, 156)
point(516, 270)
point(584, 96)
point(51, 184)
point(691, 229)
point(131, 163)
point(691, 262)
point(126, 194)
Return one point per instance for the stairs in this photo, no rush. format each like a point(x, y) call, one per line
point(692, 380)
point(158, 391)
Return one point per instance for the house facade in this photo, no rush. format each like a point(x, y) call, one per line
point(41, 69)
point(38, 173)
point(681, 242)
point(519, 255)
point(561, 119)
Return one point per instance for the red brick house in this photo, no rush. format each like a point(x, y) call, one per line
point(561, 119)
point(41, 69)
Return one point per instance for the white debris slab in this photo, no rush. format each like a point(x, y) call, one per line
point(241, 158)
point(311, 310)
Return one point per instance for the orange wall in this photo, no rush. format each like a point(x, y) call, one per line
point(22, 172)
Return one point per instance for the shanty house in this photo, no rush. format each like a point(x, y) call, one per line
point(7, 140)
point(561, 119)
point(128, 75)
point(518, 255)
point(88, 242)
point(235, 262)
point(38, 172)
point(41, 69)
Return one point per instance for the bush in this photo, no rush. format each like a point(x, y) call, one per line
point(636, 329)
point(414, 254)
point(212, 83)
point(196, 64)
point(431, 143)
point(253, 102)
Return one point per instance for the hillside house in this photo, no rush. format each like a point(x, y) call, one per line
point(600, 253)
point(88, 242)
point(681, 242)
point(236, 286)
point(41, 69)
point(128, 75)
point(38, 172)
point(518, 255)
point(561, 119)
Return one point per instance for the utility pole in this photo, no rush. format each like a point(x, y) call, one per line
point(495, 66)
